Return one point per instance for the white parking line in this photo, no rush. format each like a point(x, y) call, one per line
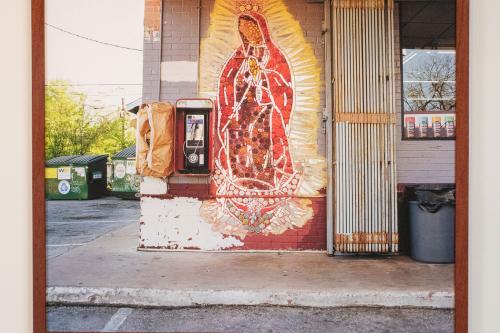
point(117, 320)
point(62, 245)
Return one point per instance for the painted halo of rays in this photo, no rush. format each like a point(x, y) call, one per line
point(286, 33)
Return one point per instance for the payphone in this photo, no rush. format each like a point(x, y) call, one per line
point(193, 133)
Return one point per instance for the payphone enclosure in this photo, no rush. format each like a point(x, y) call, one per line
point(194, 133)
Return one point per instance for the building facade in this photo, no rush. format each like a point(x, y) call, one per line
point(266, 66)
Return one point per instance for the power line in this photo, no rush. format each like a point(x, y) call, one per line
point(91, 39)
point(113, 95)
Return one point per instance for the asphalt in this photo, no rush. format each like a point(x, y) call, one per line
point(72, 223)
point(243, 319)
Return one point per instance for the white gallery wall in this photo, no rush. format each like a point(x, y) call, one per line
point(15, 171)
point(484, 234)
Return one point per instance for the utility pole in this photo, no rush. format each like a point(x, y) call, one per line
point(82, 124)
point(122, 116)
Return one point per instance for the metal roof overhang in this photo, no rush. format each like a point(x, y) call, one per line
point(133, 107)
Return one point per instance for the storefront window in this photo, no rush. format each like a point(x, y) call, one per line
point(428, 94)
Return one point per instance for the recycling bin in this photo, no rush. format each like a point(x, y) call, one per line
point(75, 177)
point(125, 181)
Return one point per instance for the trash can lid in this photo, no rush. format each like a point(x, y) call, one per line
point(82, 160)
point(85, 160)
point(128, 152)
point(60, 160)
point(431, 197)
point(430, 187)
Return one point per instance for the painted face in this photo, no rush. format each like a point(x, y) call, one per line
point(249, 31)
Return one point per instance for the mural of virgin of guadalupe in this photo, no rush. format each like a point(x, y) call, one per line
point(255, 104)
point(255, 175)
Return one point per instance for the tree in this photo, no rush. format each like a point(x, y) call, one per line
point(431, 85)
point(118, 135)
point(74, 128)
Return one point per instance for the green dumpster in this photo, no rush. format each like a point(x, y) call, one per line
point(77, 177)
point(125, 182)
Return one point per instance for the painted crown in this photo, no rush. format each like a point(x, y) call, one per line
point(249, 6)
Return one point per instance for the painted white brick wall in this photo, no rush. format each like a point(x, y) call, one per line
point(430, 161)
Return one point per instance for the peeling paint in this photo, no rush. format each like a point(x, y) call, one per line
point(153, 186)
point(177, 224)
point(152, 20)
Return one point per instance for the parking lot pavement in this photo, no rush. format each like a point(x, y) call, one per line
point(72, 223)
point(249, 319)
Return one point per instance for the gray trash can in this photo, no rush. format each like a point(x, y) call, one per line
point(432, 224)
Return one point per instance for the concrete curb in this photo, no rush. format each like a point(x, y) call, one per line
point(189, 298)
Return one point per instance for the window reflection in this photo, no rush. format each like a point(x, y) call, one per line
point(429, 94)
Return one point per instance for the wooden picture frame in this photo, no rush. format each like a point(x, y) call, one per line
point(461, 166)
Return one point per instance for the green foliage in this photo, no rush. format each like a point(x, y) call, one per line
point(72, 128)
point(118, 135)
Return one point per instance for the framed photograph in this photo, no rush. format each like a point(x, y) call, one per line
point(250, 165)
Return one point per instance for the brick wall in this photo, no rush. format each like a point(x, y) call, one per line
point(152, 50)
point(312, 236)
point(417, 161)
point(180, 48)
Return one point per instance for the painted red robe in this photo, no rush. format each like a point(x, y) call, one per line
point(255, 98)
point(254, 176)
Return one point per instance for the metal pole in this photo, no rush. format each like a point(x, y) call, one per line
point(122, 118)
point(161, 50)
point(198, 48)
point(330, 201)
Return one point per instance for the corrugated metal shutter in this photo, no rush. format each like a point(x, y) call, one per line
point(364, 125)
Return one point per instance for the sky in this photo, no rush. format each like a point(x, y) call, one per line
point(104, 73)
